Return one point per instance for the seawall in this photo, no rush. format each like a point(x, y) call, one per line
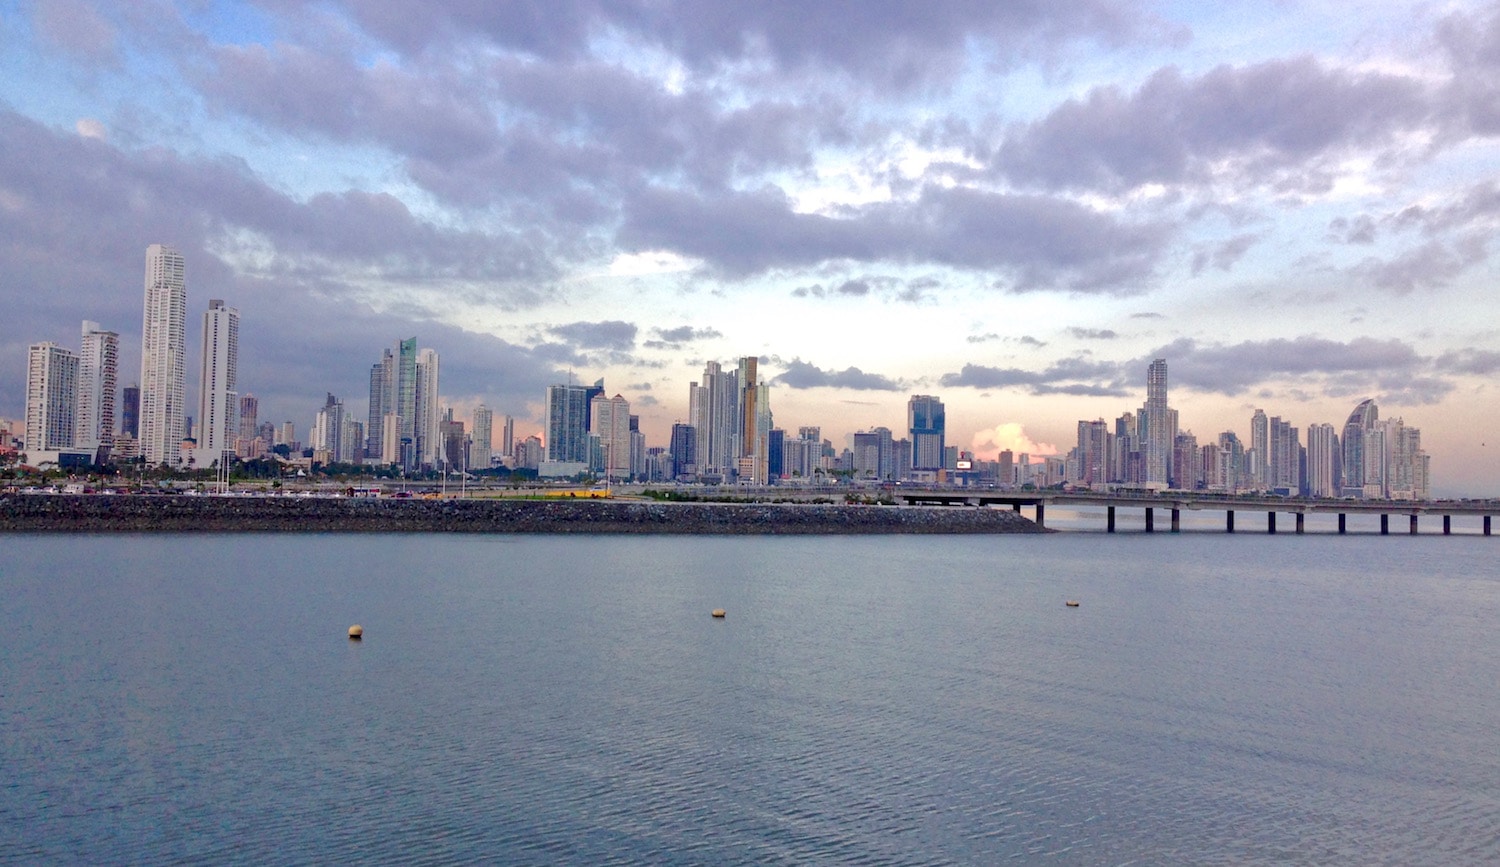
point(64, 513)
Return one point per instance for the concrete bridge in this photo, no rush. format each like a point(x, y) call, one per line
point(1175, 502)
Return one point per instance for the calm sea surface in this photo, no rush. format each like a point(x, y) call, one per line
point(1214, 699)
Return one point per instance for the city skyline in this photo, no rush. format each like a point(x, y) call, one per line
point(1013, 209)
point(70, 395)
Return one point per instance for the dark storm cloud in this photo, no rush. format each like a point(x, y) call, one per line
point(1237, 368)
point(1270, 122)
point(614, 334)
point(800, 374)
point(1042, 243)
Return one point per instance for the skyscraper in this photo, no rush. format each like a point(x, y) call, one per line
point(327, 437)
point(926, 423)
point(130, 411)
point(249, 417)
point(98, 363)
point(218, 393)
point(610, 423)
point(567, 423)
point(1259, 455)
point(51, 398)
point(1362, 421)
point(715, 413)
point(1093, 452)
point(404, 392)
point(163, 356)
point(683, 449)
point(1285, 452)
point(1157, 449)
point(431, 442)
point(381, 376)
point(479, 452)
point(1322, 448)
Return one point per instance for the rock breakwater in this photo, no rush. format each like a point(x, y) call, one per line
point(153, 514)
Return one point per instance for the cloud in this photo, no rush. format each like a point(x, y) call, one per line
point(673, 338)
point(1075, 376)
point(1092, 333)
point(884, 46)
point(802, 375)
point(989, 442)
point(78, 29)
point(613, 334)
point(1273, 123)
point(1223, 255)
point(1236, 368)
point(1472, 362)
point(1037, 241)
point(1431, 265)
point(293, 267)
point(90, 128)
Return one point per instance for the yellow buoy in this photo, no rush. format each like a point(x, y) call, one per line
point(718, 612)
point(356, 632)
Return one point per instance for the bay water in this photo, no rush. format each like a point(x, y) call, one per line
point(895, 699)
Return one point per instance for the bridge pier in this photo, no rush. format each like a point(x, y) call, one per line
point(1176, 520)
point(1016, 506)
point(1109, 520)
point(1271, 523)
point(1385, 525)
point(1341, 523)
point(1039, 515)
point(1229, 520)
point(1150, 513)
point(1447, 525)
point(1486, 525)
point(1414, 524)
point(1300, 516)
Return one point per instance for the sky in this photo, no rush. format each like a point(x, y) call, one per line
point(1012, 205)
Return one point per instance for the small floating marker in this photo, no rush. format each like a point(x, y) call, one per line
point(356, 632)
point(1071, 603)
point(718, 612)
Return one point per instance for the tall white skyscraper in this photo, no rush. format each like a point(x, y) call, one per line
point(98, 364)
point(429, 415)
point(1260, 450)
point(1157, 449)
point(218, 394)
point(1322, 453)
point(483, 443)
point(163, 354)
point(51, 398)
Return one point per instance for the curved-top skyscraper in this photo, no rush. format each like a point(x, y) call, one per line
point(1361, 421)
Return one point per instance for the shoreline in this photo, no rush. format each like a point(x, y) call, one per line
point(93, 513)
